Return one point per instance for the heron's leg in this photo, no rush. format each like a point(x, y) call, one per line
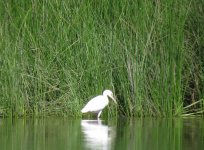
point(99, 114)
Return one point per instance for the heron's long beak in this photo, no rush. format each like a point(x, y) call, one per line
point(113, 99)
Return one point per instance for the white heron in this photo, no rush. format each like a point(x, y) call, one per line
point(98, 103)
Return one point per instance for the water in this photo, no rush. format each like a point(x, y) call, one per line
point(63, 133)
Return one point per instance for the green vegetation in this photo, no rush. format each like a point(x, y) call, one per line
point(56, 55)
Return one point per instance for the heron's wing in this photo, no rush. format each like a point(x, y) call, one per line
point(95, 104)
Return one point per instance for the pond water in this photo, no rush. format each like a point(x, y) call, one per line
point(123, 134)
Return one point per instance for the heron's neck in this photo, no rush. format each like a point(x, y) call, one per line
point(106, 96)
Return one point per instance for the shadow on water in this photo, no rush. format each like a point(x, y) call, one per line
point(39, 134)
point(58, 133)
point(160, 134)
point(97, 135)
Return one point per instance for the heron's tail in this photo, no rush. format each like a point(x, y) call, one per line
point(84, 110)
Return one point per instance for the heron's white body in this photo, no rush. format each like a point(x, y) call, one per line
point(98, 103)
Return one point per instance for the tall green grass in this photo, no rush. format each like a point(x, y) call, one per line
point(56, 55)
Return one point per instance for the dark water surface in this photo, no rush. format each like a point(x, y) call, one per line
point(69, 134)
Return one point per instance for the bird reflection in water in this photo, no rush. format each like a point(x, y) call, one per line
point(97, 136)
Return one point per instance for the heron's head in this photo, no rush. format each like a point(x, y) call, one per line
point(109, 93)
